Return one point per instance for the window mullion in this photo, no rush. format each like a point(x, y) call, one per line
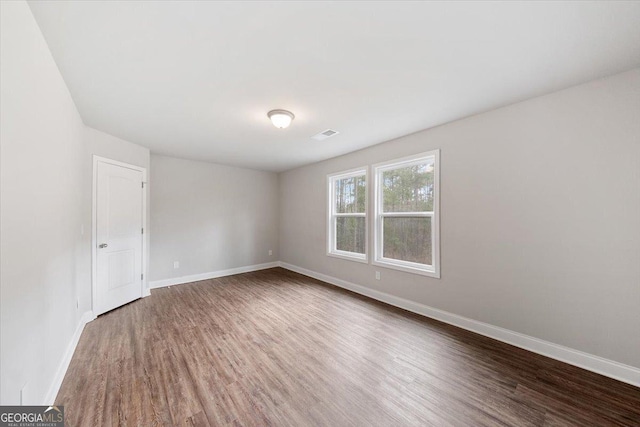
point(406, 214)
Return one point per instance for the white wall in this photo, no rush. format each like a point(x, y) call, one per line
point(41, 210)
point(105, 145)
point(540, 208)
point(210, 217)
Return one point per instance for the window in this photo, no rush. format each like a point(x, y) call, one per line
point(347, 222)
point(406, 234)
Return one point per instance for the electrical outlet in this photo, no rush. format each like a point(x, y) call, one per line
point(270, 252)
point(176, 264)
point(377, 275)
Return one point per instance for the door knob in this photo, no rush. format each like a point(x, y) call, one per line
point(103, 245)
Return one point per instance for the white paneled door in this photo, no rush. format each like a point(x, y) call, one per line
point(119, 234)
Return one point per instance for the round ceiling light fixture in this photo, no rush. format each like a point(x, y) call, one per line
point(281, 118)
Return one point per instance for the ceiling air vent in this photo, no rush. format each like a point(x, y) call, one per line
point(324, 135)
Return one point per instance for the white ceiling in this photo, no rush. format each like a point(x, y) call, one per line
point(196, 79)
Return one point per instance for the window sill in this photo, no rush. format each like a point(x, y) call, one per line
point(349, 256)
point(429, 272)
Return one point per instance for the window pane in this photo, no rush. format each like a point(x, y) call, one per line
point(350, 194)
point(350, 234)
point(408, 189)
point(407, 239)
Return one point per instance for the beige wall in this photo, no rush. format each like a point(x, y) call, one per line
point(210, 217)
point(41, 210)
point(540, 218)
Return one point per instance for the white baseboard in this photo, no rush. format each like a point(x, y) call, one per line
point(609, 368)
point(88, 316)
point(211, 275)
point(66, 359)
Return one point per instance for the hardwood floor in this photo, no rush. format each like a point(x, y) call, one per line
point(274, 348)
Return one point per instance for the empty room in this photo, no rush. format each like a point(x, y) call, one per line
point(319, 213)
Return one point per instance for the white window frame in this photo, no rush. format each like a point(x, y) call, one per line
point(332, 215)
point(378, 238)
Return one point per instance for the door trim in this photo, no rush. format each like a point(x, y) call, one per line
point(94, 227)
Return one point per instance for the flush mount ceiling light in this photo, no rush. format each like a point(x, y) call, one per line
point(281, 118)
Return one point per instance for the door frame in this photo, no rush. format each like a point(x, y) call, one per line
point(144, 291)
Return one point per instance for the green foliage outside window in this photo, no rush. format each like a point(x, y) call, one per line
point(350, 196)
point(408, 189)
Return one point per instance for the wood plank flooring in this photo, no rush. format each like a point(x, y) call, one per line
point(274, 348)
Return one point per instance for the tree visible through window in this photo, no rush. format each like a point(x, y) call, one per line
point(408, 190)
point(406, 213)
point(347, 220)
